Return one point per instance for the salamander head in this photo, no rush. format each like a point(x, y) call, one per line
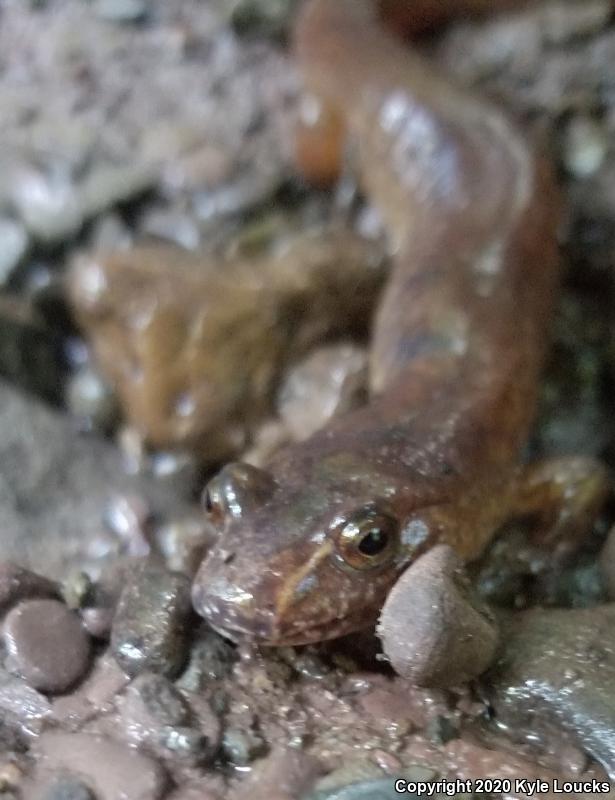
point(298, 565)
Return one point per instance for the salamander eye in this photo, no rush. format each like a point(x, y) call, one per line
point(367, 539)
point(234, 489)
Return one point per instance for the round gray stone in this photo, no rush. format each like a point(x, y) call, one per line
point(46, 644)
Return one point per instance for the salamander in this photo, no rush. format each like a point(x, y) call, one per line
point(310, 546)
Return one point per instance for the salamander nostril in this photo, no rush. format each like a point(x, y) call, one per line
point(228, 558)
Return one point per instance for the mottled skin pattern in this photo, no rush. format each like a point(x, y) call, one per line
point(458, 344)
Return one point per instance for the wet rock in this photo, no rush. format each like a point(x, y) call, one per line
point(285, 774)
point(330, 381)
point(150, 703)
point(46, 644)
point(111, 769)
point(13, 246)
point(151, 625)
point(434, 630)
point(159, 321)
point(23, 704)
point(155, 714)
point(18, 583)
point(211, 659)
point(54, 486)
point(67, 788)
point(557, 669)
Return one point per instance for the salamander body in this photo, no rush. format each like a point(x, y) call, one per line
point(310, 547)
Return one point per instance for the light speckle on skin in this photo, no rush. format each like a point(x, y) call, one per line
point(185, 405)
point(415, 533)
point(306, 585)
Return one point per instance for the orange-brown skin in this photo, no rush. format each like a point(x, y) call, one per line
point(310, 548)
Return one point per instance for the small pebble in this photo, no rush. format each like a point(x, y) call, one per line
point(433, 629)
point(557, 668)
point(46, 644)
point(18, 583)
point(211, 659)
point(152, 621)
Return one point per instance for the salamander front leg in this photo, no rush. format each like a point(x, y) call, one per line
point(553, 507)
point(561, 498)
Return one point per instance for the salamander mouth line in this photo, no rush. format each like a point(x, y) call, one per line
point(289, 590)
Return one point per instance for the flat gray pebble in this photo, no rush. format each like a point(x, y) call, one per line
point(152, 621)
point(46, 644)
point(433, 628)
